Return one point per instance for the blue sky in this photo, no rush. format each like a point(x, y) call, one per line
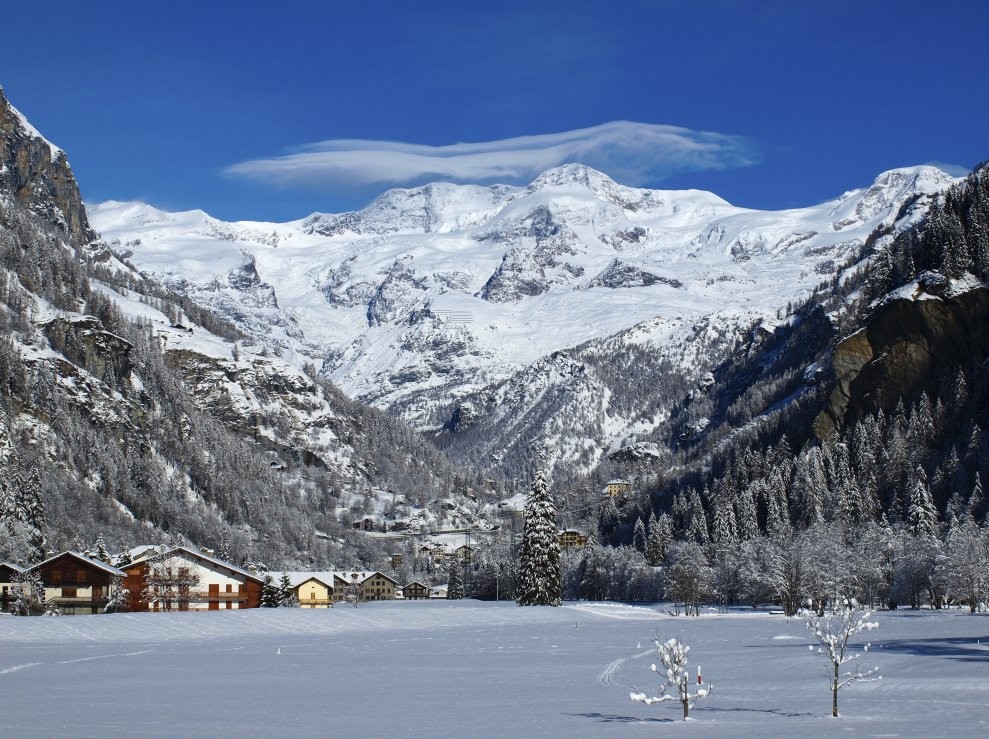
point(269, 111)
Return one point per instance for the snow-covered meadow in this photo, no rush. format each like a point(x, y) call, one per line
point(475, 669)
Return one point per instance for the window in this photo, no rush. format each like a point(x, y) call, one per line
point(68, 592)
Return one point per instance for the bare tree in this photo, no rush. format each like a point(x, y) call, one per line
point(673, 655)
point(170, 582)
point(833, 631)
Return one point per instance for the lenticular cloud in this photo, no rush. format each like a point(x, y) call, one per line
point(632, 153)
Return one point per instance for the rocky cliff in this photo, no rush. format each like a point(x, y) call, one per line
point(37, 174)
point(913, 342)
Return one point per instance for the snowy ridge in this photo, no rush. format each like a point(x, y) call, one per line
point(433, 293)
point(30, 131)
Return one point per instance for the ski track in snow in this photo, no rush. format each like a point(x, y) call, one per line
point(607, 676)
point(17, 668)
point(104, 656)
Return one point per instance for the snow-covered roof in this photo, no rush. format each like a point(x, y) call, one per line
point(97, 564)
point(12, 566)
point(213, 561)
point(618, 482)
point(144, 551)
point(296, 579)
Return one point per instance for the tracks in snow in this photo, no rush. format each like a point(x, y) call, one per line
point(607, 676)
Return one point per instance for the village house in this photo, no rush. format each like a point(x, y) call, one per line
point(436, 552)
point(76, 584)
point(572, 539)
point(183, 579)
point(10, 575)
point(362, 586)
point(312, 589)
point(617, 488)
point(415, 590)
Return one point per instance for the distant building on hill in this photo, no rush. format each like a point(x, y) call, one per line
point(617, 488)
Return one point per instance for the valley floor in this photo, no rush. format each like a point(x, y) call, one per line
point(444, 669)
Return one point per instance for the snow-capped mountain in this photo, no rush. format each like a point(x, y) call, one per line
point(431, 295)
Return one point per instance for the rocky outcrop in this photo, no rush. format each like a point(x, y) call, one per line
point(39, 176)
point(913, 342)
point(83, 340)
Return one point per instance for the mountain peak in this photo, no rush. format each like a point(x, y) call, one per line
point(38, 175)
point(572, 174)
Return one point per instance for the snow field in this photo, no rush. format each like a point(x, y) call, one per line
point(475, 669)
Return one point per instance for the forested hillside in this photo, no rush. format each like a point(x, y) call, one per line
point(843, 451)
point(129, 412)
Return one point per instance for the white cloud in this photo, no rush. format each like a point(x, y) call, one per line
point(955, 170)
point(631, 153)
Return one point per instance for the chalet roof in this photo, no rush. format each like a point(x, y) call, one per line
point(144, 551)
point(12, 567)
point(618, 482)
point(82, 559)
point(215, 562)
point(298, 578)
point(416, 582)
point(347, 576)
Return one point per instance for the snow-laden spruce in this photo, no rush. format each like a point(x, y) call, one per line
point(540, 571)
point(833, 630)
point(673, 656)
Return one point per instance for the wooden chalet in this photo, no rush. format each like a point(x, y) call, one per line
point(183, 579)
point(415, 590)
point(76, 584)
point(10, 575)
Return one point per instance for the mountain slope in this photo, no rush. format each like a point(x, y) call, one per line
point(128, 410)
point(431, 298)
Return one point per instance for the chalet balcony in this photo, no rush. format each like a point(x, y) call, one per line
point(60, 600)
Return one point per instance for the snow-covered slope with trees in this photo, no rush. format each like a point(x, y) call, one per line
point(431, 299)
point(128, 410)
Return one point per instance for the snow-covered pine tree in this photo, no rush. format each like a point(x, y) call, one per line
point(102, 553)
point(639, 535)
point(270, 595)
point(540, 570)
point(660, 540)
point(286, 593)
point(976, 500)
point(455, 584)
point(697, 527)
point(922, 515)
point(673, 656)
point(117, 600)
point(725, 529)
point(833, 632)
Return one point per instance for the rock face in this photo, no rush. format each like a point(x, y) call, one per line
point(913, 342)
point(83, 340)
point(39, 176)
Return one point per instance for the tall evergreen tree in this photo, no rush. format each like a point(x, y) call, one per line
point(922, 515)
point(455, 583)
point(540, 570)
point(660, 540)
point(639, 536)
point(286, 593)
point(270, 595)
